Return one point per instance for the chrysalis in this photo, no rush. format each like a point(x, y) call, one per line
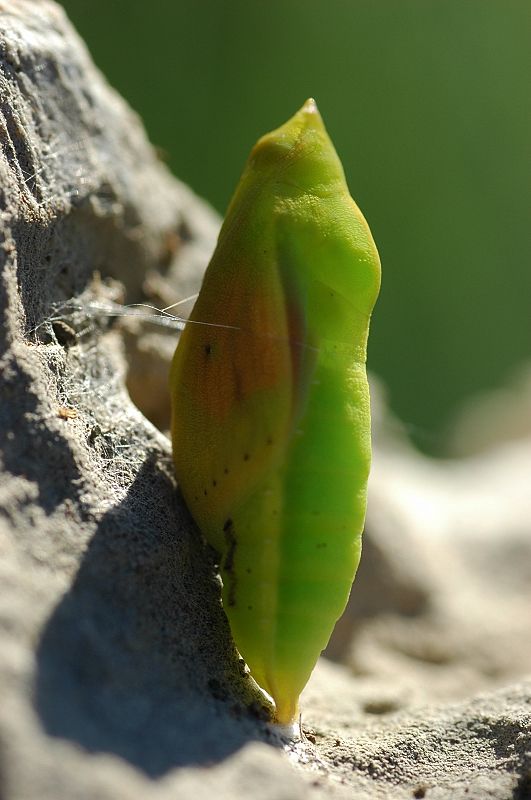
point(271, 425)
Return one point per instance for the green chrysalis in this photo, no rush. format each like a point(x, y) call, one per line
point(271, 422)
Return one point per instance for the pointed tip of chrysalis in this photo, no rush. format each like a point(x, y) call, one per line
point(306, 119)
point(303, 148)
point(310, 112)
point(310, 106)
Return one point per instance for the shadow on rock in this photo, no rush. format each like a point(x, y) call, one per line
point(137, 659)
point(23, 434)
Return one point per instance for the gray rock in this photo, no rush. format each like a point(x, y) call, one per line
point(112, 628)
point(118, 676)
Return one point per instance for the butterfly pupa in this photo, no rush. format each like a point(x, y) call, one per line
point(270, 403)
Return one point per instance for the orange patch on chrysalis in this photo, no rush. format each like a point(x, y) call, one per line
point(239, 363)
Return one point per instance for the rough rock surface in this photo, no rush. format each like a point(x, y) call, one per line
point(118, 678)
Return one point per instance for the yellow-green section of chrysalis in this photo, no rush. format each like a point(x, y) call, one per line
point(271, 421)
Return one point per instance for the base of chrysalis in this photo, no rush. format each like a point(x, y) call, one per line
point(286, 709)
point(287, 723)
point(287, 731)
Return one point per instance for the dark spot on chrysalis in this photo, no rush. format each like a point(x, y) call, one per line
point(214, 482)
point(226, 470)
point(320, 545)
point(248, 570)
point(249, 608)
point(246, 456)
point(269, 440)
point(208, 349)
point(205, 492)
point(228, 562)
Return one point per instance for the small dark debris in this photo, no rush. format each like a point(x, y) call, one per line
point(64, 333)
point(93, 435)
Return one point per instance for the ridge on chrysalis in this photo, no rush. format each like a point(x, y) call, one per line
point(270, 402)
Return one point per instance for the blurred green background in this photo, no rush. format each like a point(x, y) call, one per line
point(428, 103)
